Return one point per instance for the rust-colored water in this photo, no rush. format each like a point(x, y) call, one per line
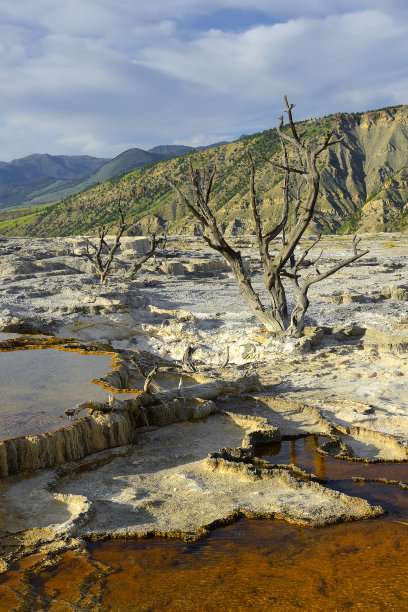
point(251, 565)
point(302, 452)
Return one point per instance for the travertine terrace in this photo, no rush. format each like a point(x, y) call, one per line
point(179, 462)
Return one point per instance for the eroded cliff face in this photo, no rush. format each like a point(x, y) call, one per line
point(368, 165)
point(364, 186)
point(380, 169)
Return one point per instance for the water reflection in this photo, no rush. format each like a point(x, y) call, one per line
point(293, 452)
point(252, 565)
point(303, 453)
point(38, 385)
point(8, 336)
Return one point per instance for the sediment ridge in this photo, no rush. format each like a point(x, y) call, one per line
point(118, 427)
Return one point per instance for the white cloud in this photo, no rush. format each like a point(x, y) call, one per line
point(97, 75)
point(306, 57)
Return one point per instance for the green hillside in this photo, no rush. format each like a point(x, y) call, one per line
point(369, 165)
point(48, 189)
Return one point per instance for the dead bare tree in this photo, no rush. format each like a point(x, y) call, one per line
point(154, 244)
point(286, 262)
point(102, 260)
point(187, 361)
point(102, 254)
point(149, 379)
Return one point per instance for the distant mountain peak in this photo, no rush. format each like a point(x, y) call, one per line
point(171, 150)
point(40, 165)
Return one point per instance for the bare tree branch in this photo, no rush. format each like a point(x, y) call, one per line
point(103, 263)
point(284, 263)
point(305, 253)
point(149, 379)
point(187, 358)
point(327, 143)
point(286, 168)
point(154, 244)
point(302, 301)
point(142, 371)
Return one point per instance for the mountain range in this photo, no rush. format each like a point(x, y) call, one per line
point(364, 183)
point(55, 166)
point(43, 179)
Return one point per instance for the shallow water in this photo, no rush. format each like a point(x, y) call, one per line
point(250, 565)
point(8, 336)
point(38, 385)
point(302, 453)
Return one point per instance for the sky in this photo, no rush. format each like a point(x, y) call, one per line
point(97, 77)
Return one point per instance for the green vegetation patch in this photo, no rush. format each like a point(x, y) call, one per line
point(15, 223)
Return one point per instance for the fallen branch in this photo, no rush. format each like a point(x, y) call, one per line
point(205, 391)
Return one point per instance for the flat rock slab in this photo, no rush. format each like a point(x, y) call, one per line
point(164, 486)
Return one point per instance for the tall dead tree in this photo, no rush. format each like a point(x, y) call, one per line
point(286, 262)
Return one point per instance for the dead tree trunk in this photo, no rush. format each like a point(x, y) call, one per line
point(285, 262)
point(215, 240)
